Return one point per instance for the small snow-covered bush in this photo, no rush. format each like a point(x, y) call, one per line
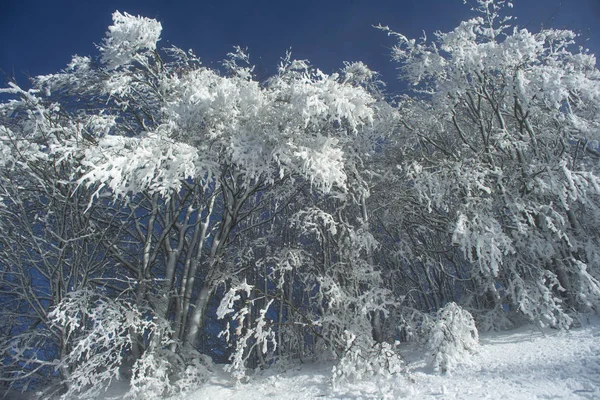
point(196, 371)
point(161, 373)
point(151, 377)
point(102, 332)
point(361, 360)
point(452, 339)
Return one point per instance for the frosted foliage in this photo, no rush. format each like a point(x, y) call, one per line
point(152, 163)
point(237, 57)
point(226, 306)
point(338, 313)
point(198, 370)
point(151, 379)
point(589, 290)
point(102, 331)
point(212, 154)
point(316, 95)
point(161, 374)
point(358, 73)
point(301, 122)
point(324, 164)
point(322, 220)
point(8, 153)
point(536, 297)
point(243, 334)
point(316, 221)
point(128, 37)
point(349, 304)
point(202, 97)
point(544, 71)
point(483, 242)
point(452, 339)
point(379, 364)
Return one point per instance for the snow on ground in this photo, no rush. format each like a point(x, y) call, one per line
point(527, 363)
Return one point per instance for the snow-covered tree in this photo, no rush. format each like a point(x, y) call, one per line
point(503, 131)
point(453, 337)
point(184, 162)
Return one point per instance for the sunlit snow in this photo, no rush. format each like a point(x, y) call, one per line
point(526, 363)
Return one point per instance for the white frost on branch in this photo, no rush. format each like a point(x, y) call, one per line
point(127, 37)
point(131, 165)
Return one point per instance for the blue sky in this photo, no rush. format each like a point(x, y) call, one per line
point(39, 37)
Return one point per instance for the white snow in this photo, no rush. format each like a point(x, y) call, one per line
point(526, 363)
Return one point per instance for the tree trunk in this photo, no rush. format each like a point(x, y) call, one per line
point(196, 322)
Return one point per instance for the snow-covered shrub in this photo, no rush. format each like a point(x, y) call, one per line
point(101, 331)
point(151, 377)
point(452, 339)
point(364, 360)
point(161, 373)
point(195, 373)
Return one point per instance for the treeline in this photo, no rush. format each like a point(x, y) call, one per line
point(157, 213)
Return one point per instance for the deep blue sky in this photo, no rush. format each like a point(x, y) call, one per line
point(40, 36)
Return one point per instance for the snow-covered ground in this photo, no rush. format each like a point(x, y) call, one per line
point(526, 363)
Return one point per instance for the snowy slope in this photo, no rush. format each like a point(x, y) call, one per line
point(528, 363)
